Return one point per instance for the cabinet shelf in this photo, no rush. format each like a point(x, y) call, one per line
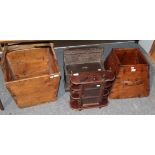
point(94, 93)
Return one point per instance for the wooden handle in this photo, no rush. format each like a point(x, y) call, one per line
point(10, 48)
point(28, 46)
point(107, 92)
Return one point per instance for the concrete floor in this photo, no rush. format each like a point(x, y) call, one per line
point(133, 106)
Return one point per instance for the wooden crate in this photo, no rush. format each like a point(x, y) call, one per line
point(31, 73)
point(132, 73)
point(81, 60)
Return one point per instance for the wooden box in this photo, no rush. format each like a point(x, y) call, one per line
point(81, 60)
point(90, 89)
point(132, 73)
point(31, 73)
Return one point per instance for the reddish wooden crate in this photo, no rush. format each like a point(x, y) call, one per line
point(132, 73)
point(31, 73)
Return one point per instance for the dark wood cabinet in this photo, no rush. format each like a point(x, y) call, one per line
point(90, 89)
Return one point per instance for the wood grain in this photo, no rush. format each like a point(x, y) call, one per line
point(30, 92)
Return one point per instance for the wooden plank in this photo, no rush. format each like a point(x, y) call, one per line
point(30, 92)
point(64, 43)
point(24, 46)
point(24, 64)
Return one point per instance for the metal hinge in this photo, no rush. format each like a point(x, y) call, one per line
point(54, 75)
